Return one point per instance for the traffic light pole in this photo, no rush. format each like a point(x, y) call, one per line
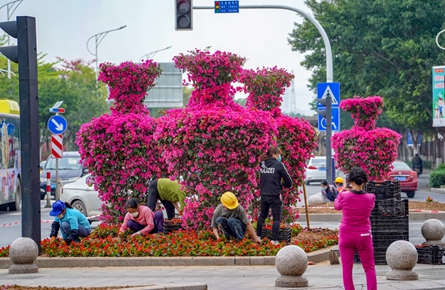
point(329, 73)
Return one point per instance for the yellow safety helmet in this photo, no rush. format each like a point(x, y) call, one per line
point(228, 199)
point(339, 180)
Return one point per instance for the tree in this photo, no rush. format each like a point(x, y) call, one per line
point(388, 50)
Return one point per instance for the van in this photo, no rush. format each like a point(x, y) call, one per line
point(69, 170)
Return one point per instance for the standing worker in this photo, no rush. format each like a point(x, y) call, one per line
point(272, 173)
point(355, 229)
point(170, 194)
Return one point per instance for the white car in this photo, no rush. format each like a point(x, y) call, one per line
point(316, 170)
point(82, 196)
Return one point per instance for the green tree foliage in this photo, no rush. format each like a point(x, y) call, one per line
point(379, 47)
point(72, 82)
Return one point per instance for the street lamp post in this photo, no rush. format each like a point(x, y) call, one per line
point(10, 6)
point(98, 38)
point(151, 54)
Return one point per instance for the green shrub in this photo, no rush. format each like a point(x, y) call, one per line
point(437, 177)
point(428, 164)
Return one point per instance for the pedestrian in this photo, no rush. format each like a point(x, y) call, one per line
point(272, 173)
point(231, 219)
point(169, 193)
point(339, 184)
point(328, 191)
point(71, 222)
point(355, 229)
point(417, 163)
point(141, 220)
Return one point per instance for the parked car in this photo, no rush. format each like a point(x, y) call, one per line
point(81, 195)
point(69, 167)
point(316, 170)
point(406, 176)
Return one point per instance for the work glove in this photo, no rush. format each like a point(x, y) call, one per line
point(55, 226)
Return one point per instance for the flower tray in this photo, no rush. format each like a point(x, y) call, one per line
point(430, 255)
point(171, 226)
point(283, 235)
point(384, 189)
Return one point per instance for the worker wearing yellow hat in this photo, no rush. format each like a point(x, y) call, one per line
point(231, 219)
point(339, 183)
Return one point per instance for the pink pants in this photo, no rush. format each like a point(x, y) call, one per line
point(362, 241)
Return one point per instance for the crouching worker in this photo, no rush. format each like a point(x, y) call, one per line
point(231, 219)
point(141, 220)
point(72, 223)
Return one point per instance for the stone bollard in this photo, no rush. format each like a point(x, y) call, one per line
point(401, 256)
point(291, 263)
point(433, 231)
point(23, 252)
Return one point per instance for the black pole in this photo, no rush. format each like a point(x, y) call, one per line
point(29, 127)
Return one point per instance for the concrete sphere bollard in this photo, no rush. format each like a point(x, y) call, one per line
point(401, 256)
point(433, 231)
point(291, 263)
point(315, 199)
point(23, 252)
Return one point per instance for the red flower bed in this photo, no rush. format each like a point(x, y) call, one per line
point(104, 242)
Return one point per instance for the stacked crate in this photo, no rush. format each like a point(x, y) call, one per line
point(389, 218)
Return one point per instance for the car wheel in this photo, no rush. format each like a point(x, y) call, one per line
point(410, 194)
point(18, 198)
point(80, 207)
point(308, 182)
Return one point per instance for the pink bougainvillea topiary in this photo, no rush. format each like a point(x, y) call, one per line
point(119, 149)
point(296, 137)
point(213, 143)
point(373, 149)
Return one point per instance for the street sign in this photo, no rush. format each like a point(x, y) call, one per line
point(329, 88)
point(57, 146)
point(226, 6)
point(335, 123)
point(57, 124)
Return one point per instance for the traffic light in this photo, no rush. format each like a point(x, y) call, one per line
point(184, 15)
point(322, 109)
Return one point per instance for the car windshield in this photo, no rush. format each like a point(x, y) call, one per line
point(400, 166)
point(65, 163)
point(318, 161)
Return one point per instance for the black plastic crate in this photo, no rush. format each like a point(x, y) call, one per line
point(283, 235)
point(382, 240)
point(390, 207)
point(389, 223)
point(430, 255)
point(170, 226)
point(385, 189)
point(379, 257)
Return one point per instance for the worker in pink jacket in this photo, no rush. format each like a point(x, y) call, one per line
point(355, 229)
point(141, 220)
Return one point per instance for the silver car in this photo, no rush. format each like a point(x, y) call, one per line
point(82, 196)
point(316, 170)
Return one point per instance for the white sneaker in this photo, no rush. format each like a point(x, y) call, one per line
point(275, 242)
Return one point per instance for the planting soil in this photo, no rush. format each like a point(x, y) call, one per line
point(413, 207)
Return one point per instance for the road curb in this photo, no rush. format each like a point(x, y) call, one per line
point(86, 262)
point(186, 286)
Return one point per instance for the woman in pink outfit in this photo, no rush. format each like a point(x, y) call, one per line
point(355, 229)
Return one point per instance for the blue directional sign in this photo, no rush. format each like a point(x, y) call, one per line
point(57, 124)
point(323, 89)
point(335, 122)
point(226, 6)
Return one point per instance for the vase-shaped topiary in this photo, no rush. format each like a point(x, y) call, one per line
point(119, 149)
point(213, 143)
point(296, 137)
point(373, 149)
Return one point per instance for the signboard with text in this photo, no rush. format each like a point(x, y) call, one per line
point(438, 96)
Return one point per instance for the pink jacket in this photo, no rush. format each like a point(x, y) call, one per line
point(144, 218)
point(356, 209)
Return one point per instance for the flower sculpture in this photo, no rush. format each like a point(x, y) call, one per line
point(119, 149)
point(213, 143)
point(296, 137)
point(373, 149)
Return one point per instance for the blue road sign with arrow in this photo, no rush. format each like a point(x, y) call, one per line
point(57, 124)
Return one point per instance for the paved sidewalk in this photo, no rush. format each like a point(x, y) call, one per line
point(320, 276)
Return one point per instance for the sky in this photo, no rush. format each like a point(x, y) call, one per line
point(260, 35)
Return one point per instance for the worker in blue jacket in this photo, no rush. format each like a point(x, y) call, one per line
point(72, 223)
